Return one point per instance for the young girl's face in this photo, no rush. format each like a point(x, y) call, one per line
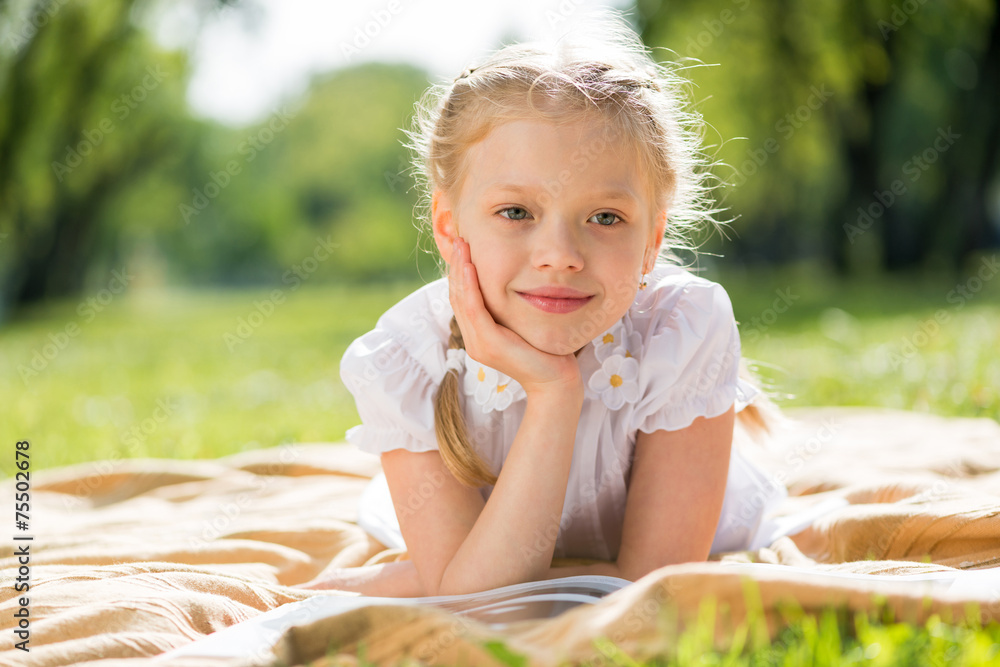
point(561, 226)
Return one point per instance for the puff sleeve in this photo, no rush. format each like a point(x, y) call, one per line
point(690, 358)
point(394, 395)
point(394, 372)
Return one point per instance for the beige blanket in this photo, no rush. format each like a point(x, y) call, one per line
point(133, 558)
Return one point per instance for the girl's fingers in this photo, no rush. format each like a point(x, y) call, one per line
point(479, 330)
point(470, 311)
point(455, 283)
point(488, 342)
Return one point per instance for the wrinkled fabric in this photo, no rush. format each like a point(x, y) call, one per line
point(133, 558)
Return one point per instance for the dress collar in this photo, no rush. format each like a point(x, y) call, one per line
point(610, 364)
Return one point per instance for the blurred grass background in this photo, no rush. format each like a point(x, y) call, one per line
point(155, 374)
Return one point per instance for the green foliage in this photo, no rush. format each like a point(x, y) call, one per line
point(88, 108)
point(102, 165)
point(818, 109)
point(331, 172)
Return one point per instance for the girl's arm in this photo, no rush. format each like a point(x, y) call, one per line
point(458, 542)
point(675, 495)
point(674, 501)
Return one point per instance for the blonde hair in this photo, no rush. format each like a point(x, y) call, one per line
point(602, 69)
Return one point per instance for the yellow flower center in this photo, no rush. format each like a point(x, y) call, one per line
point(481, 375)
point(608, 338)
point(627, 354)
point(501, 387)
point(616, 381)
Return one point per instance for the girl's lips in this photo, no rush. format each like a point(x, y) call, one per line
point(555, 302)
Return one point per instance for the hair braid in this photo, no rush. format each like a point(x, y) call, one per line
point(449, 424)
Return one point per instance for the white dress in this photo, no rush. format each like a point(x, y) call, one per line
point(673, 357)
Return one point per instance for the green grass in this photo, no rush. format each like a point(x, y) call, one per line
point(166, 374)
point(830, 638)
point(154, 374)
point(911, 342)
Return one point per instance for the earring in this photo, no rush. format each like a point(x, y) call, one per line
point(642, 282)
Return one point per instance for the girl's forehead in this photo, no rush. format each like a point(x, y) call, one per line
point(556, 157)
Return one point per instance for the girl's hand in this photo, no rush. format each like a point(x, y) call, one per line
point(497, 346)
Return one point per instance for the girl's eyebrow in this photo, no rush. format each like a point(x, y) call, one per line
point(620, 193)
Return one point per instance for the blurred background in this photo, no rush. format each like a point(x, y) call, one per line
point(203, 202)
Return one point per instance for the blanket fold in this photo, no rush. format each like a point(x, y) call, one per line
point(133, 558)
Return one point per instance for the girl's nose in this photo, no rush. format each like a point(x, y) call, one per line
point(556, 245)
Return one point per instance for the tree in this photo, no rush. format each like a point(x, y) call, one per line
point(845, 108)
point(88, 105)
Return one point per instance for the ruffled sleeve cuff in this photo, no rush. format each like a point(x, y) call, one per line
point(691, 363)
point(376, 441)
point(394, 395)
point(746, 393)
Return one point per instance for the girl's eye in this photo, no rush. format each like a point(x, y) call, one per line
point(515, 213)
point(605, 218)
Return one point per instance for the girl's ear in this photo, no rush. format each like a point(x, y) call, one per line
point(655, 242)
point(443, 225)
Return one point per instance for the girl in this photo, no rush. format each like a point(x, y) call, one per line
point(566, 391)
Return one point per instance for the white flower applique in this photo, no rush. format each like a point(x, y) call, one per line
point(617, 380)
point(491, 389)
point(618, 340)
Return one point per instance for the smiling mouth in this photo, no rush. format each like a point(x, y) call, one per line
point(555, 304)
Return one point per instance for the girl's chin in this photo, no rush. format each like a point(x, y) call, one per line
point(554, 344)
